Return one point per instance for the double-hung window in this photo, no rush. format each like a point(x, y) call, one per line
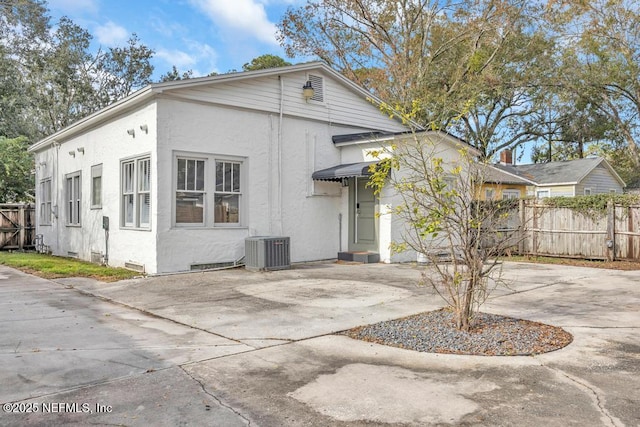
point(208, 191)
point(190, 194)
point(74, 198)
point(227, 193)
point(45, 202)
point(136, 192)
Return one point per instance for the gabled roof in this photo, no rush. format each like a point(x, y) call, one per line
point(569, 172)
point(150, 92)
point(492, 174)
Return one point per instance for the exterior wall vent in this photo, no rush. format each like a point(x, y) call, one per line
point(72, 254)
point(318, 88)
point(266, 253)
point(134, 266)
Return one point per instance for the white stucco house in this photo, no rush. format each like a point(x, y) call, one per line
point(177, 175)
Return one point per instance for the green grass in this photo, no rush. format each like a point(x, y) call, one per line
point(53, 267)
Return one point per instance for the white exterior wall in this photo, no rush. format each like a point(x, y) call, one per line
point(390, 227)
point(105, 145)
point(278, 196)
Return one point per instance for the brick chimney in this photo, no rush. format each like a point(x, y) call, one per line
point(506, 157)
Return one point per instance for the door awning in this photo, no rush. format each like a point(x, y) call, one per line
point(348, 170)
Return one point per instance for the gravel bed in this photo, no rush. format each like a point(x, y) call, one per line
point(491, 335)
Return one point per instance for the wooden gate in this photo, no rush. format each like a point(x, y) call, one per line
point(17, 226)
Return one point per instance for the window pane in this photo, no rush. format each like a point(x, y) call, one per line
point(227, 208)
point(200, 175)
point(236, 178)
point(181, 174)
point(144, 175)
point(219, 176)
point(189, 208)
point(96, 191)
point(128, 209)
point(227, 177)
point(191, 174)
point(144, 209)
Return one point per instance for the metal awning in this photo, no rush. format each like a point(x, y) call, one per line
point(338, 173)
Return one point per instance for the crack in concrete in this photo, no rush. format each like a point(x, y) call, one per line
point(216, 398)
point(562, 282)
point(608, 419)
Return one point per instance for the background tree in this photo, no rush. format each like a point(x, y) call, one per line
point(58, 78)
point(175, 75)
point(263, 62)
point(601, 58)
point(479, 60)
point(16, 166)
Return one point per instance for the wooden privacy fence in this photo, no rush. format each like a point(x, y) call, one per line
point(565, 232)
point(17, 226)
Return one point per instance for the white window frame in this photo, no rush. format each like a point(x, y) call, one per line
point(135, 190)
point(190, 187)
point(489, 194)
point(225, 186)
point(73, 199)
point(45, 201)
point(211, 191)
point(587, 191)
point(542, 194)
point(510, 193)
point(613, 191)
point(96, 196)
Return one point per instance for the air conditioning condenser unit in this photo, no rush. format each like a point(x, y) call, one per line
point(266, 253)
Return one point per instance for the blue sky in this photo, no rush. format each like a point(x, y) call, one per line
point(198, 35)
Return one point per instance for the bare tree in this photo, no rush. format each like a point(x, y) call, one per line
point(438, 189)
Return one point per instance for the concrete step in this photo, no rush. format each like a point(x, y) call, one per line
point(359, 256)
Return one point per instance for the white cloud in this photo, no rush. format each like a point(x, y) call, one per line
point(248, 16)
point(198, 55)
point(111, 34)
point(182, 60)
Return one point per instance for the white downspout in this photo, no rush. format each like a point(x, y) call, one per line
point(281, 112)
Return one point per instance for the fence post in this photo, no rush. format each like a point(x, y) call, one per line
point(21, 223)
point(523, 231)
point(611, 231)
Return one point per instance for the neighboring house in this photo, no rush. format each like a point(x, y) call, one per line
point(177, 175)
point(498, 184)
point(593, 175)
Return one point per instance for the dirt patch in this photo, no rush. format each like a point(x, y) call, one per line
point(611, 265)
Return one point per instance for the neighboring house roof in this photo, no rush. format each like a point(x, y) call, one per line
point(569, 172)
point(150, 92)
point(491, 174)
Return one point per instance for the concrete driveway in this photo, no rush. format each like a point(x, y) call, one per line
point(282, 364)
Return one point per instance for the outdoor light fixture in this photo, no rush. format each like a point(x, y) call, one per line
point(307, 90)
point(131, 132)
point(144, 128)
point(72, 153)
point(81, 150)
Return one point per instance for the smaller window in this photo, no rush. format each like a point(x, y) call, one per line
point(489, 193)
point(510, 194)
point(45, 202)
point(541, 194)
point(74, 198)
point(587, 191)
point(612, 190)
point(96, 187)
